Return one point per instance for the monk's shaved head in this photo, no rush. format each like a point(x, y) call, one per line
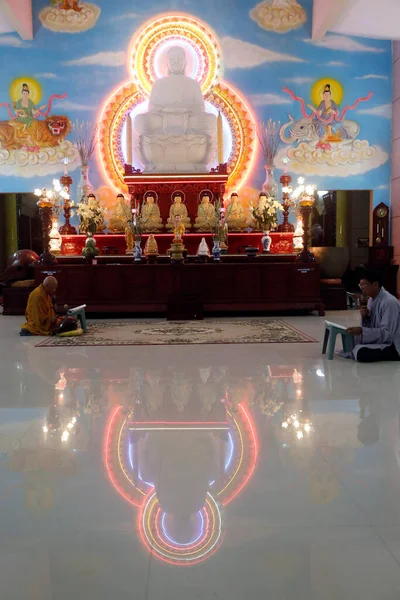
point(50, 284)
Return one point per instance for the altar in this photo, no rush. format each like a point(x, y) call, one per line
point(116, 285)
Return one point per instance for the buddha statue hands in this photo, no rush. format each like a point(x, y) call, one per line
point(205, 220)
point(178, 209)
point(236, 218)
point(151, 216)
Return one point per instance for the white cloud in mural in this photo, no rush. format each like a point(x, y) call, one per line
point(26, 164)
point(299, 80)
point(336, 63)
point(244, 55)
point(383, 110)
point(125, 17)
point(46, 75)
point(70, 21)
point(12, 41)
point(69, 105)
point(101, 59)
point(342, 161)
point(280, 16)
point(344, 43)
point(268, 99)
point(373, 76)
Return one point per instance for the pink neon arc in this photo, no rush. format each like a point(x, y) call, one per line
point(106, 457)
point(253, 458)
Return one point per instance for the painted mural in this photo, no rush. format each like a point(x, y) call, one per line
point(280, 16)
point(69, 16)
point(33, 140)
point(332, 98)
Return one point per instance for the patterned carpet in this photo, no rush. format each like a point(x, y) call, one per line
point(212, 331)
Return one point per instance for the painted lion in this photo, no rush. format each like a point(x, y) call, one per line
point(42, 134)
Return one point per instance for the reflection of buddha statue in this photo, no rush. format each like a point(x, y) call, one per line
point(176, 134)
point(117, 222)
point(236, 219)
point(205, 220)
point(151, 215)
point(178, 209)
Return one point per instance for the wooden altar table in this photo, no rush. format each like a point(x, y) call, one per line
point(261, 285)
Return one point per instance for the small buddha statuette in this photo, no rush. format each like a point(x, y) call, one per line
point(236, 218)
point(100, 227)
point(179, 229)
point(205, 220)
point(117, 222)
point(151, 215)
point(178, 209)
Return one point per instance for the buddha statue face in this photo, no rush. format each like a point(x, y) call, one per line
point(176, 60)
point(234, 197)
point(205, 200)
point(178, 200)
point(121, 198)
point(150, 200)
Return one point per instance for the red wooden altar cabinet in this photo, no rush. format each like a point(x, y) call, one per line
point(282, 243)
point(166, 185)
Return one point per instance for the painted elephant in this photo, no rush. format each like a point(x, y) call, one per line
point(306, 130)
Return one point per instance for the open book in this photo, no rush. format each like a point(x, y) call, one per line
point(338, 325)
point(73, 311)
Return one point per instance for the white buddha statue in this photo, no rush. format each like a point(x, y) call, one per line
point(176, 134)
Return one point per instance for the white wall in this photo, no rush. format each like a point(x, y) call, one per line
point(395, 187)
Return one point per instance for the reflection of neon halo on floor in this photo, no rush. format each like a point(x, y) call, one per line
point(192, 542)
point(240, 463)
point(151, 530)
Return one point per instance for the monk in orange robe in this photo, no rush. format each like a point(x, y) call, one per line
point(41, 318)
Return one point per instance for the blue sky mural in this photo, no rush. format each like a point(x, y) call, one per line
point(88, 61)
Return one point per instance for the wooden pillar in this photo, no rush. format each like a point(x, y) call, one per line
point(341, 219)
point(10, 221)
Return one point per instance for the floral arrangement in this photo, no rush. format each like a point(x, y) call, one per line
point(91, 215)
point(133, 218)
point(85, 139)
point(266, 216)
point(269, 138)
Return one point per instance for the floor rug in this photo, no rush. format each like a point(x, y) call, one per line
point(210, 331)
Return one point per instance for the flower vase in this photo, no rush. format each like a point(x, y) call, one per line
point(216, 251)
point(270, 184)
point(84, 187)
point(137, 251)
point(266, 241)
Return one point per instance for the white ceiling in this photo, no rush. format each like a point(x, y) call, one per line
point(365, 18)
point(16, 17)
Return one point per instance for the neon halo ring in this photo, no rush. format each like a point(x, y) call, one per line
point(150, 523)
point(153, 34)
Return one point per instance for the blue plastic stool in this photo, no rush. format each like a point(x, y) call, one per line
point(330, 336)
point(79, 314)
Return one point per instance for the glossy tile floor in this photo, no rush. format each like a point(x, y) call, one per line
point(197, 472)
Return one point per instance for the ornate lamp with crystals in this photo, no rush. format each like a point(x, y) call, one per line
point(66, 182)
point(304, 194)
point(286, 180)
point(46, 205)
